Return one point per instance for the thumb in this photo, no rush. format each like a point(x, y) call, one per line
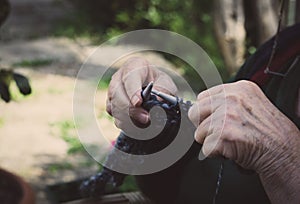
point(135, 75)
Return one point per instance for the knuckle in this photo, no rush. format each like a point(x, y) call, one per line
point(202, 95)
point(229, 134)
point(228, 137)
point(193, 114)
point(232, 98)
point(231, 107)
point(231, 115)
point(248, 85)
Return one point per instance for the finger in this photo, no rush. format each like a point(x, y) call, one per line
point(204, 108)
point(207, 102)
point(139, 114)
point(119, 99)
point(108, 107)
point(212, 91)
point(209, 147)
point(165, 84)
point(114, 83)
point(120, 120)
point(124, 122)
point(120, 106)
point(135, 75)
point(198, 112)
point(205, 128)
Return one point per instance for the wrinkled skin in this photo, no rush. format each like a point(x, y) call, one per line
point(124, 93)
point(250, 130)
point(235, 121)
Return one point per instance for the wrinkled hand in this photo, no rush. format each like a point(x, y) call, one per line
point(238, 122)
point(124, 93)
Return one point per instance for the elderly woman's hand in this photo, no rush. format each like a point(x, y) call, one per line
point(238, 122)
point(124, 93)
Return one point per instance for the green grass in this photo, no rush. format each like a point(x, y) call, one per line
point(55, 167)
point(87, 163)
point(33, 63)
point(67, 131)
point(128, 185)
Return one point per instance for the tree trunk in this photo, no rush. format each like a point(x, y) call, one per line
point(230, 32)
point(266, 19)
point(4, 10)
point(297, 16)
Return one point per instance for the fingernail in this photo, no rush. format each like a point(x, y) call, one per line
point(135, 100)
point(195, 135)
point(144, 118)
point(201, 155)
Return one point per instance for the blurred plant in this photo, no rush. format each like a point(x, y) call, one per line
point(55, 167)
point(33, 63)
point(4, 10)
point(104, 82)
point(101, 20)
point(67, 132)
point(129, 184)
point(6, 77)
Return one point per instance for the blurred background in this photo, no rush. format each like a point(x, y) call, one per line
point(48, 40)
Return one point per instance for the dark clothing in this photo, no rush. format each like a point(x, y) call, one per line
point(282, 91)
point(192, 181)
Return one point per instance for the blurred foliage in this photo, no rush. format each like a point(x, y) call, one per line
point(56, 167)
point(8, 92)
point(67, 132)
point(4, 10)
point(104, 81)
point(129, 184)
point(33, 63)
point(101, 20)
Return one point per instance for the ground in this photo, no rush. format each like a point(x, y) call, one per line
point(32, 129)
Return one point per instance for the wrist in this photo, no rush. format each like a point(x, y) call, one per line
point(280, 144)
point(280, 154)
point(280, 173)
